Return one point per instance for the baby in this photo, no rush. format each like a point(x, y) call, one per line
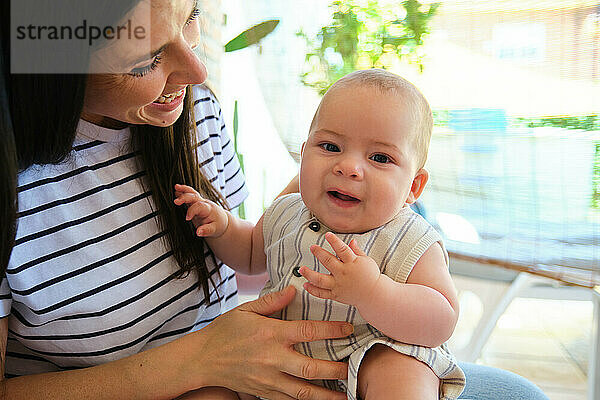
point(351, 244)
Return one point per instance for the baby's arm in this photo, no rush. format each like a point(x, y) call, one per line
point(423, 311)
point(236, 242)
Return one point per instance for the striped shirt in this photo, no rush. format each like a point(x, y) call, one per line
point(289, 229)
point(90, 279)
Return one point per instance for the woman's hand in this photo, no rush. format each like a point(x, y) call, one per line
point(248, 352)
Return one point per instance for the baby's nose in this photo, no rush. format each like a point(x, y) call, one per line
point(350, 168)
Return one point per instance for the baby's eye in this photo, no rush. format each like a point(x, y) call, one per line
point(330, 147)
point(380, 158)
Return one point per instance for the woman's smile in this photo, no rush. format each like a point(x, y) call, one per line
point(167, 98)
point(152, 94)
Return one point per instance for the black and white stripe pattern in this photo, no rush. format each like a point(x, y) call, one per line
point(395, 246)
point(90, 279)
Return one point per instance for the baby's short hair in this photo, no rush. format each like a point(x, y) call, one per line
point(386, 81)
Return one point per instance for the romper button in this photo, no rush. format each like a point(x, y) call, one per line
point(296, 272)
point(314, 226)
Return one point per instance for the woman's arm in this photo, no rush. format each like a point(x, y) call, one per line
point(242, 350)
point(292, 187)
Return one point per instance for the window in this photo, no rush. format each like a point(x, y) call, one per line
point(515, 90)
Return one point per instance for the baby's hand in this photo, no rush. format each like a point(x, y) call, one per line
point(353, 274)
point(210, 219)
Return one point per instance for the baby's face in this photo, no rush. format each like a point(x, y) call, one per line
point(359, 162)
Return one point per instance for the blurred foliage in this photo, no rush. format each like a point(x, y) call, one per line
point(366, 34)
point(440, 117)
point(583, 122)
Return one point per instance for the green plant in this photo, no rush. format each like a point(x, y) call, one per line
point(596, 178)
point(251, 36)
point(241, 208)
point(366, 34)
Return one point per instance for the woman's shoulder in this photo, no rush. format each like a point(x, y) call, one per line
point(207, 113)
point(203, 95)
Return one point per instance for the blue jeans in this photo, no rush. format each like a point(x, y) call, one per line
point(487, 383)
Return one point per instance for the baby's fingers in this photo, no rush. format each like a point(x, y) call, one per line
point(341, 249)
point(357, 250)
point(186, 198)
point(199, 209)
point(318, 279)
point(207, 230)
point(327, 259)
point(317, 291)
point(185, 189)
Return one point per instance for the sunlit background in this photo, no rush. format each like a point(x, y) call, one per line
point(515, 155)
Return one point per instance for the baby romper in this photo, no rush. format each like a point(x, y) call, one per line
point(289, 230)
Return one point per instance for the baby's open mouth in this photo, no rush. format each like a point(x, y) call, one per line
point(342, 196)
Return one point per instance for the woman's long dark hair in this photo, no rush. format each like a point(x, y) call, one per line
point(45, 111)
point(169, 156)
point(8, 174)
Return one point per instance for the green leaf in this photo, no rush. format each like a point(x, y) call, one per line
point(251, 36)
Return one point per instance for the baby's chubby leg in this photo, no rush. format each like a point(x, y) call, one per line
point(387, 374)
point(215, 393)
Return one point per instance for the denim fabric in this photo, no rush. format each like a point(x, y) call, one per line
point(487, 383)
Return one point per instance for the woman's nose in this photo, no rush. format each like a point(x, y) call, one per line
point(189, 68)
point(349, 167)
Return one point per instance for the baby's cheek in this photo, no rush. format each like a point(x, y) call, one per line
point(389, 208)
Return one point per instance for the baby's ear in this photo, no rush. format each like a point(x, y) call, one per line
point(418, 184)
point(302, 149)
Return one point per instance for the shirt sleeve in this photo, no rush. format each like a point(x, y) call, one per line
point(5, 298)
point(216, 151)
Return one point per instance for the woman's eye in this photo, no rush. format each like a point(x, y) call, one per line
point(142, 71)
point(193, 16)
point(380, 158)
point(330, 147)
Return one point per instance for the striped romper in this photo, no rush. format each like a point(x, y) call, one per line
point(289, 231)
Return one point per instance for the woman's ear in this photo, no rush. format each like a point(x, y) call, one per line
point(418, 184)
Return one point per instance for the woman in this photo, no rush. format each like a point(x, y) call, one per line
point(95, 280)
point(104, 295)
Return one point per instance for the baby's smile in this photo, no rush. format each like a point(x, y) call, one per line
point(341, 199)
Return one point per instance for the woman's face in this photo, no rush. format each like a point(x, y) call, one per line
point(152, 89)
